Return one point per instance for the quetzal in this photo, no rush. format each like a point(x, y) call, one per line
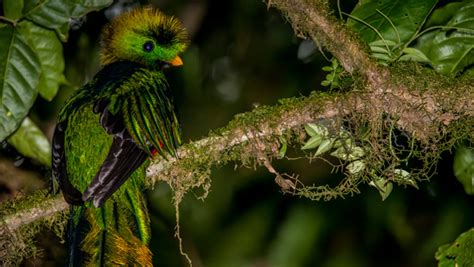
point(107, 131)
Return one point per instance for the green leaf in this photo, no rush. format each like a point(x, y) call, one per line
point(459, 253)
point(341, 153)
point(357, 152)
point(413, 54)
point(403, 177)
point(355, 166)
point(55, 14)
point(327, 68)
point(383, 43)
point(19, 77)
point(325, 146)
point(309, 129)
point(449, 54)
point(381, 56)
point(442, 15)
point(283, 148)
point(464, 168)
point(326, 83)
point(295, 239)
point(30, 141)
point(384, 187)
point(313, 142)
point(379, 49)
point(50, 53)
point(348, 153)
point(451, 50)
point(316, 130)
point(12, 8)
point(344, 140)
point(397, 21)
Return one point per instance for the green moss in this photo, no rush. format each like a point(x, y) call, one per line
point(17, 244)
point(195, 171)
point(375, 133)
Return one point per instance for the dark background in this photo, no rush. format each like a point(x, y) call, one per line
point(243, 55)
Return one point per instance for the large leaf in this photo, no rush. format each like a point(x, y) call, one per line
point(441, 16)
point(50, 53)
point(460, 253)
point(12, 8)
point(30, 141)
point(450, 50)
point(397, 20)
point(55, 14)
point(19, 77)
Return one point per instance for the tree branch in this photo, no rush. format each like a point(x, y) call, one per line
point(313, 19)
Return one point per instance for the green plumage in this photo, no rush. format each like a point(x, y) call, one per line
point(142, 100)
point(105, 135)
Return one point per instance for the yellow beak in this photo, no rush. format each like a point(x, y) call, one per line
point(176, 61)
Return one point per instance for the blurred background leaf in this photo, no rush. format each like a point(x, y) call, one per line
point(397, 21)
point(450, 49)
point(30, 141)
point(464, 167)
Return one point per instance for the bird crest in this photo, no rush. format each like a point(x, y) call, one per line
point(144, 35)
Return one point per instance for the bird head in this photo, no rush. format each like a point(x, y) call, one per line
point(144, 35)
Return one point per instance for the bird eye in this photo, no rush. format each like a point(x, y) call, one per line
point(148, 46)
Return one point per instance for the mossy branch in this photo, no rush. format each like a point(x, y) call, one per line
point(313, 19)
point(250, 136)
point(428, 106)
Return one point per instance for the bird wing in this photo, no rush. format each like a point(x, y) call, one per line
point(137, 110)
point(59, 161)
point(148, 114)
point(71, 194)
point(141, 119)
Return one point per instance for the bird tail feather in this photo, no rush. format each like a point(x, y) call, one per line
point(115, 234)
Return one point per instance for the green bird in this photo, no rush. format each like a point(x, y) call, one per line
point(107, 131)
